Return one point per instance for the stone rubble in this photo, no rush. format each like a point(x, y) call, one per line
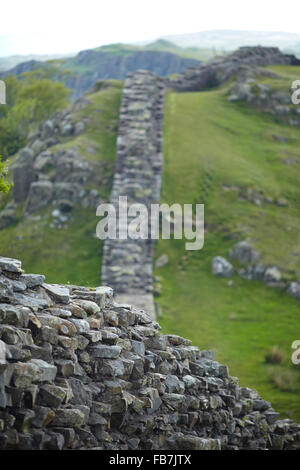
point(80, 371)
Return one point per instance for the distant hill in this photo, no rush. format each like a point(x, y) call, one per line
point(112, 61)
point(228, 40)
point(7, 63)
point(198, 53)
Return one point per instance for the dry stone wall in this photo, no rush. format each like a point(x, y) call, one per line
point(80, 371)
point(127, 264)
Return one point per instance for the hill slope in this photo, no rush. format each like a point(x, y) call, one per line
point(215, 152)
point(56, 234)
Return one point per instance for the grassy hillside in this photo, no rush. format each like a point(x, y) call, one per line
point(198, 53)
point(71, 254)
point(213, 150)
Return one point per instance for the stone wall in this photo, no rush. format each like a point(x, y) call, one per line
point(80, 371)
point(127, 264)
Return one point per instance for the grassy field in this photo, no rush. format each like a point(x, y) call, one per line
point(71, 254)
point(210, 143)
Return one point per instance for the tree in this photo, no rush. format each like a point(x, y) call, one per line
point(4, 186)
point(31, 99)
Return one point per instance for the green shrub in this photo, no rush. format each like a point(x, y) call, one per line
point(284, 380)
point(4, 186)
point(274, 356)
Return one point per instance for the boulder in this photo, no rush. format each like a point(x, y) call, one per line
point(79, 128)
point(23, 176)
point(244, 253)
point(272, 274)
point(161, 261)
point(221, 267)
point(10, 265)
point(240, 92)
point(40, 195)
point(294, 289)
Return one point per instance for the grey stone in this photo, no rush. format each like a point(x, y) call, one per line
point(39, 196)
point(221, 267)
point(47, 372)
point(79, 128)
point(197, 443)
point(82, 326)
point(174, 385)
point(161, 261)
point(68, 418)
point(294, 289)
point(10, 264)
point(272, 274)
point(59, 293)
point(51, 395)
point(23, 177)
point(244, 253)
point(32, 280)
point(138, 347)
point(107, 352)
point(90, 307)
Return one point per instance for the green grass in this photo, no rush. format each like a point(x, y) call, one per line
point(102, 115)
point(286, 75)
point(209, 142)
point(71, 254)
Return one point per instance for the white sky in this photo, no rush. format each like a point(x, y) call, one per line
point(59, 26)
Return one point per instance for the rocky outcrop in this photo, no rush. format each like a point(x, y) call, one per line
point(47, 173)
point(127, 264)
point(80, 371)
point(239, 64)
point(267, 99)
point(250, 267)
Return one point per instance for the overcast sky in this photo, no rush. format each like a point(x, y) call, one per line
point(60, 26)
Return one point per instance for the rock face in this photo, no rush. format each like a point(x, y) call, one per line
point(92, 65)
point(127, 264)
point(80, 371)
